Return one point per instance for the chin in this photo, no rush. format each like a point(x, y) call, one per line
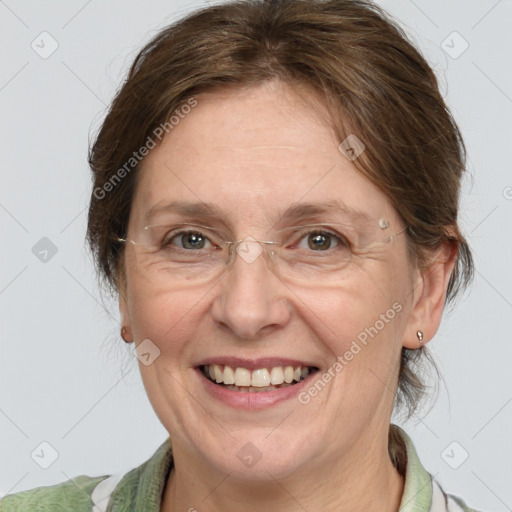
point(258, 456)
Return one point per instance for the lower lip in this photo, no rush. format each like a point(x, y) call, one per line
point(256, 400)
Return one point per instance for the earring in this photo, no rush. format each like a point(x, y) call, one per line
point(123, 335)
point(420, 336)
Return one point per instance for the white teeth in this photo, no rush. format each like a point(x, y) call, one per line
point(276, 375)
point(228, 377)
point(242, 377)
point(260, 378)
point(251, 389)
point(263, 378)
point(218, 373)
point(288, 374)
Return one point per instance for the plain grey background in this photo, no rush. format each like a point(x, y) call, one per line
point(66, 378)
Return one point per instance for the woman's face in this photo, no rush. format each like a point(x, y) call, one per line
point(250, 156)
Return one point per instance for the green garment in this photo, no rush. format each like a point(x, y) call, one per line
point(140, 490)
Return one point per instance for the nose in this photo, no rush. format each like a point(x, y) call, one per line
point(251, 300)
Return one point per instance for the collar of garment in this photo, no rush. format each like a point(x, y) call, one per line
point(143, 486)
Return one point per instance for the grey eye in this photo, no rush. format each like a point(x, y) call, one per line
point(188, 240)
point(192, 240)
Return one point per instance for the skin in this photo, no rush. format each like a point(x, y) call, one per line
point(252, 153)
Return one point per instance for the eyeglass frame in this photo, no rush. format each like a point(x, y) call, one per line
point(382, 223)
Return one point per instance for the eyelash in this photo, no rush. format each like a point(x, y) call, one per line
point(342, 241)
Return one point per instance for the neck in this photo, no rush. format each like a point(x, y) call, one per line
point(349, 483)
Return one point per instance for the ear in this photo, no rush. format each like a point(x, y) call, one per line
point(123, 308)
point(429, 296)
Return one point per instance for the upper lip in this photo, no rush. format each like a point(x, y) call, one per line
point(254, 364)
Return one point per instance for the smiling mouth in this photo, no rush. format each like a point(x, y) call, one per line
point(258, 380)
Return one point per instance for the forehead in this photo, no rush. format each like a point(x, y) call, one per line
point(254, 153)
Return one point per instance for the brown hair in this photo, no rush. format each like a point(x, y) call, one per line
point(373, 80)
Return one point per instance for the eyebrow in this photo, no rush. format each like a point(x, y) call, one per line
point(293, 212)
point(186, 208)
point(300, 210)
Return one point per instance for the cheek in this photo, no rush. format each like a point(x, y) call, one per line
point(167, 318)
point(362, 334)
point(360, 324)
point(341, 318)
point(364, 301)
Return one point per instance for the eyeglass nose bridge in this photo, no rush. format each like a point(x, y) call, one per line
point(249, 249)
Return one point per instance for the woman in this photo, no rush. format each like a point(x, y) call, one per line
point(275, 203)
